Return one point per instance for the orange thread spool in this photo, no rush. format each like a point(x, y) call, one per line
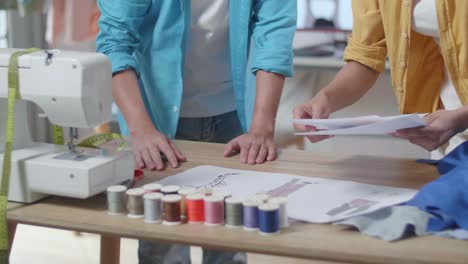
point(195, 208)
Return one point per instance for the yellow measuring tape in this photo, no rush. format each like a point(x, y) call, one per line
point(13, 95)
point(97, 140)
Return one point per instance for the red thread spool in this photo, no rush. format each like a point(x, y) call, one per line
point(195, 208)
point(214, 210)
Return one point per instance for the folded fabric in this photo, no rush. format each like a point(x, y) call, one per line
point(391, 223)
point(398, 222)
point(446, 198)
point(459, 234)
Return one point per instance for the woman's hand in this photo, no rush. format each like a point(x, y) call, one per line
point(317, 108)
point(441, 126)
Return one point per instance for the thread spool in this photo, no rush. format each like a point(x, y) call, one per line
point(250, 214)
point(195, 208)
point(135, 202)
point(282, 202)
point(116, 200)
point(183, 193)
point(171, 209)
point(170, 189)
point(214, 210)
point(233, 212)
point(152, 187)
point(263, 197)
point(224, 194)
point(207, 191)
point(152, 206)
point(268, 219)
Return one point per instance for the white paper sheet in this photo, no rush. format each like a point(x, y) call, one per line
point(314, 200)
point(366, 125)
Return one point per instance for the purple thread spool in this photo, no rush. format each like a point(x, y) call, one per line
point(250, 214)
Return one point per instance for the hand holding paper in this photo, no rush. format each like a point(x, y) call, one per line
point(365, 125)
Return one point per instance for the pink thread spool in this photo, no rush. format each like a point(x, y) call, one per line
point(214, 210)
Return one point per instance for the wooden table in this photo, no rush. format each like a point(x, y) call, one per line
point(310, 241)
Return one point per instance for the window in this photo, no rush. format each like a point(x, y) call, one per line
point(3, 29)
point(337, 11)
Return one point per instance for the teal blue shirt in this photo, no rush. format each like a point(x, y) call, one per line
point(149, 36)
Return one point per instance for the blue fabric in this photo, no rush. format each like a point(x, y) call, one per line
point(149, 36)
point(447, 197)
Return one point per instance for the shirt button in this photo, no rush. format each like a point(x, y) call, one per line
point(406, 2)
point(404, 35)
point(175, 108)
point(402, 64)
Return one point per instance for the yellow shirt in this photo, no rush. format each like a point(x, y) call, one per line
point(383, 28)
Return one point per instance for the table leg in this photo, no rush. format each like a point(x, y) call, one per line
point(11, 233)
point(110, 249)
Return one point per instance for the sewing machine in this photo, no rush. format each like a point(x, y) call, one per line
point(74, 90)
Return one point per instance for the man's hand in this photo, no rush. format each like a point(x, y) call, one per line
point(316, 108)
point(255, 147)
point(442, 125)
point(148, 144)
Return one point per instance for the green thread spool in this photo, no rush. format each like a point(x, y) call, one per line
point(233, 212)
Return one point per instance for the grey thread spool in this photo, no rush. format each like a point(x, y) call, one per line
point(282, 202)
point(153, 208)
point(116, 200)
point(135, 202)
point(234, 217)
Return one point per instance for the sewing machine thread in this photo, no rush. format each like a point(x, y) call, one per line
point(233, 212)
point(153, 208)
point(214, 210)
point(116, 200)
point(135, 202)
point(171, 209)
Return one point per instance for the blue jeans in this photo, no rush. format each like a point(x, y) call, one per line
point(216, 129)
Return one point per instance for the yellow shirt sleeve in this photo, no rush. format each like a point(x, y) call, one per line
point(367, 44)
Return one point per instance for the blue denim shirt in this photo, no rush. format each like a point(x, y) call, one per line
point(149, 36)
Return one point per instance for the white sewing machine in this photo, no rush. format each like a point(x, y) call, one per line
point(74, 90)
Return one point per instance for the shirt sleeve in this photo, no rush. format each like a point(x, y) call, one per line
point(119, 35)
point(367, 43)
point(274, 25)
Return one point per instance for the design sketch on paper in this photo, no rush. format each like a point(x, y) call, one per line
point(353, 207)
point(288, 188)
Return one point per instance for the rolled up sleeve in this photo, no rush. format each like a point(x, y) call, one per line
point(119, 35)
point(367, 43)
point(273, 32)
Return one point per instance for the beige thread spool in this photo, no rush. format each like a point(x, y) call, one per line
point(135, 205)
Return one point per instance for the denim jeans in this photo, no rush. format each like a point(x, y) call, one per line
point(216, 129)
